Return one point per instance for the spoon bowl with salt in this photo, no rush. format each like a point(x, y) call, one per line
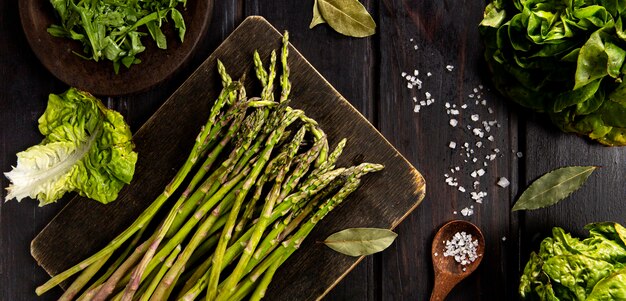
point(457, 250)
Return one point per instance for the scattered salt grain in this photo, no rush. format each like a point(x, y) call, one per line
point(452, 144)
point(475, 117)
point(519, 154)
point(449, 67)
point(453, 122)
point(467, 211)
point(503, 182)
point(503, 238)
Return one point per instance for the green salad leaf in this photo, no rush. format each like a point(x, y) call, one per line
point(567, 268)
point(87, 148)
point(112, 30)
point(564, 58)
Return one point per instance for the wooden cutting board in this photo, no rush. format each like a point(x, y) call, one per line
point(383, 200)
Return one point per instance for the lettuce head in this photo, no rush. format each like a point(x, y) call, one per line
point(564, 58)
point(87, 148)
point(567, 268)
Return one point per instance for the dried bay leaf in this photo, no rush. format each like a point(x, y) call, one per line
point(553, 187)
point(347, 17)
point(317, 16)
point(360, 241)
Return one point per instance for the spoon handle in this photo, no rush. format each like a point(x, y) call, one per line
point(443, 285)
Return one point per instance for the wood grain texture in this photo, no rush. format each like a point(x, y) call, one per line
point(383, 200)
point(367, 72)
point(441, 41)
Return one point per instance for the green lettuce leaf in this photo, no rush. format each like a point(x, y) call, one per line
point(87, 148)
point(568, 268)
point(564, 58)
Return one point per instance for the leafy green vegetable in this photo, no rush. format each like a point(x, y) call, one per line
point(360, 241)
point(553, 187)
point(567, 268)
point(564, 58)
point(112, 30)
point(347, 17)
point(87, 148)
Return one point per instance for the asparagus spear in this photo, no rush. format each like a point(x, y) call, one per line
point(290, 245)
point(199, 148)
point(230, 223)
point(155, 281)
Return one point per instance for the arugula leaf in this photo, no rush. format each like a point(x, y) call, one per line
point(112, 30)
point(87, 148)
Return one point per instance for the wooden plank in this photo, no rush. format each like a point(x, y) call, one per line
point(383, 201)
point(348, 64)
point(428, 36)
point(24, 86)
point(600, 199)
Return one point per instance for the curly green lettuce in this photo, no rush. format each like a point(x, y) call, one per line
point(87, 148)
point(567, 268)
point(564, 58)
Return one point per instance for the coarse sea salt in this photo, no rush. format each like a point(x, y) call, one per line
point(462, 247)
point(503, 182)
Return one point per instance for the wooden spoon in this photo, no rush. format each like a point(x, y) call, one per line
point(448, 272)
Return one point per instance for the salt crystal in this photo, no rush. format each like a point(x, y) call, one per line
point(467, 211)
point(416, 109)
point(503, 182)
point(447, 105)
point(475, 90)
point(403, 74)
point(452, 144)
point(416, 72)
point(503, 238)
point(453, 122)
point(427, 95)
point(519, 154)
point(429, 74)
point(423, 103)
point(449, 67)
point(480, 172)
point(475, 117)
point(464, 106)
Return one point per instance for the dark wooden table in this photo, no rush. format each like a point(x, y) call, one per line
point(412, 35)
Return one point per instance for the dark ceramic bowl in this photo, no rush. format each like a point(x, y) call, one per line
point(57, 54)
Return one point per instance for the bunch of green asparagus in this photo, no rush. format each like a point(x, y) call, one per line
point(254, 191)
